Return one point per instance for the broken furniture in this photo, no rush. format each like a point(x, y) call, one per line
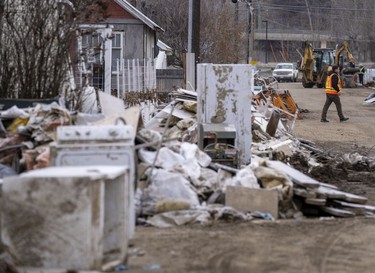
point(72, 218)
point(98, 145)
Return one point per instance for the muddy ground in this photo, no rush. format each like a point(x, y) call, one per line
point(309, 245)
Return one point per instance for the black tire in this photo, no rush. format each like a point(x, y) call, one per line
point(307, 84)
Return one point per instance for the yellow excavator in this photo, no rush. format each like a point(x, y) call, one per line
point(316, 63)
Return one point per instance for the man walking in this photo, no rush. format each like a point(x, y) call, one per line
point(333, 91)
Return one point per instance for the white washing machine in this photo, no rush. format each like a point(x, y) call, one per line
point(98, 145)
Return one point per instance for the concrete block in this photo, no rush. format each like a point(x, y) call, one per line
point(247, 199)
point(66, 217)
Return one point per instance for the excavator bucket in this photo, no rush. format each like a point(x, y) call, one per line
point(284, 100)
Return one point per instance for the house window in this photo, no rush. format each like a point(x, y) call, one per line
point(92, 44)
point(92, 47)
point(117, 49)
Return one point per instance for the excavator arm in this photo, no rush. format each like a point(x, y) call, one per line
point(348, 71)
point(307, 65)
point(339, 50)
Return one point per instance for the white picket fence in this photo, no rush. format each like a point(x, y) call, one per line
point(135, 75)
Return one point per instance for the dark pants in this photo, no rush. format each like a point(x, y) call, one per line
point(360, 78)
point(336, 100)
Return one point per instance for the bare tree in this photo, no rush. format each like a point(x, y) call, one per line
point(221, 35)
point(173, 17)
point(35, 39)
point(223, 38)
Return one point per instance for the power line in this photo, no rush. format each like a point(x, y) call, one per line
point(335, 16)
point(275, 6)
point(325, 8)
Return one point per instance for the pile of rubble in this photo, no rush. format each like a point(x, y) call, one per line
point(202, 185)
point(177, 182)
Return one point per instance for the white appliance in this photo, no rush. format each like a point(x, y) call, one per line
point(98, 145)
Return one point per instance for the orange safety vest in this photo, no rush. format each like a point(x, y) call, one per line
point(329, 88)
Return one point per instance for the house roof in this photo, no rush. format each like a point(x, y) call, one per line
point(139, 15)
point(163, 46)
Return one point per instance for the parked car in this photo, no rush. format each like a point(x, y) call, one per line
point(285, 71)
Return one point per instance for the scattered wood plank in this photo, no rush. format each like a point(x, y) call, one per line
point(304, 193)
point(336, 194)
point(357, 209)
point(355, 206)
point(337, 212)
point(316, 201)
point(296, 176)
point(217, 166)
point(329, 193)
point(370, 208)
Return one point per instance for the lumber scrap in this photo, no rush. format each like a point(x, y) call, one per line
point(337, 212)
point(304, 193)
point(329, 193)
point(367, 208)
point(336, 194)
point(357, 209)
point(370, 208)
point(316, 201)
point(296, 176)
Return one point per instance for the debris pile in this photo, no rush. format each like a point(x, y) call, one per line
point(276, 144)
point(177, 182)
point(175, 176)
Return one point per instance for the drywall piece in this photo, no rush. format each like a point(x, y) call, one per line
point(297, 177)
point(111, 106)
point(224, 96)
point(66, 217)
point(247, 199)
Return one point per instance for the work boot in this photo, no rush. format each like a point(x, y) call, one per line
point(343, 119)
point(324, 120)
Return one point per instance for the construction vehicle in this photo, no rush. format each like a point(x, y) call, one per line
point(316, 63)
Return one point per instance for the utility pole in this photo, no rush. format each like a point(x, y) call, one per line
point(249, 30)
point(252, 31)
point(266, 51)
point(192, 57)
point(236, 24)
point(196, 29)
point(190, 27)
